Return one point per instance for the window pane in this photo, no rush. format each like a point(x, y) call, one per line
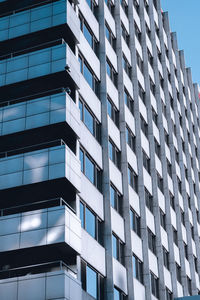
point(112, 196)
point(90, 222)
point(89, 169)
point(109, 109)
point(81, 110)
point(88, 75)
point(82, 214)
point(91, 282)
point(110, 150)
point(88, 120)
point(114, 245)
point(134, 267)
point(108, 68)
point(116, 294)
point(87, 35)
point(82, 160)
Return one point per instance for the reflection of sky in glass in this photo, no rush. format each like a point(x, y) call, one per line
point(114, 245)
point(112, 197)
point(88, 75)
point(88, 120)
point(91, 282)
point(87, 35)
point(134, 266)
point(82, 214)
point(89, 169)
point(116, 294)
point(90, 222)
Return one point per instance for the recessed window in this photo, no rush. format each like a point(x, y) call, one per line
point(137, 268)
point(132, 179)
point(117, 248)
point(87, 32)
point(154, 285)
point(89, 120)
point(152, 241)
point(162, 219)
point(130, 138)
point(146, 162)
point(113, 112)
point(90, 169)
point(115, 199)
point(148, 200)
point(111, 72)
point(114, 153)
point(129, 101)
point(166, 258)
point(110, 37)
point(135, 222)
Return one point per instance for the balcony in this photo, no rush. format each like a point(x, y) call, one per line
point(40, 174)
point(54, 110)
point(45, 282)
point(43, 227)
point(40, 63)
point(40, 18)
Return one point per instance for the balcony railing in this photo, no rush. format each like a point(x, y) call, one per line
point(36, 269)
point(39, 63)
point(39, 18)
point(40, 165)
point(40, 112)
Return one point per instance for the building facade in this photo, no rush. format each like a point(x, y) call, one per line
point(99, 153)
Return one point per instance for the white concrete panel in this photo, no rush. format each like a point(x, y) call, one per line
point(91, 145)
point(139, 290)
point(119, 276)
point(136, 243)
point(109, 19)
point(132, 160)
point(145, 143)
point(115, 176)
point(126, 50)
point(114, 133)
point(147, 180)
point(176, 254)
point(187, 268)
point(134, 200)
point(90, 97)
point(88, 193)
point(150, 220)
point(128, 83)
point(140, 77)
point(161, 199)
point(168, 280)
point(129, 119)
point(184, 233)
point(164, 238)
point(153, 264)
point(112, 91)
point(153, 101)
point(89, 16)
point(143, 109)
point(93, 252)
point(110, 53)
point(89, 54)
point(117, 224)
point(124, 19)
point(180, 289)
point(136, 18)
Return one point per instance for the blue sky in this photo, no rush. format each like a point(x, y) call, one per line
point(184, 16)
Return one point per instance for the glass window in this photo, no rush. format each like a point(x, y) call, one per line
point(89, 169)
point(114, 245)
point(81, 109)
point(91, 282)
point(82, 160)
point(88, 75)
point(135, 222)
point(116, 294)
point(88, 35)
point(88, 120)
point(90, 222)
point(82, 215)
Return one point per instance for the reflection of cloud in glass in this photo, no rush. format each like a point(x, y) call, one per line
point(35, 163)
point(10, 113)
point(30, 222)
point(55, 231)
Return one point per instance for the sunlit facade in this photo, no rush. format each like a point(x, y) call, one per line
point(99, 153)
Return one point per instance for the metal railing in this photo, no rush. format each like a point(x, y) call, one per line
point(7, 272)
point(31, 148)
point(35, 206)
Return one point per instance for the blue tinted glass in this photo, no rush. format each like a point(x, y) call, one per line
point(91, 282)
point(82, 160)
point(134, 266)
point(81, 64)
point(109, 108)
point(82, 214)
point(88, 120)
point(112, 197)
point(108, 69)
point(89, 2)
point(110, 149)
point(87, 35)
point(114, 245)
point(88, 75)
point(116, 294)
point(90, 222)
point(107, 33)
point(89, 169)
point(81, 110)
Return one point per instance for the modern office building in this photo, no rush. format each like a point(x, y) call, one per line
point(99, 153)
